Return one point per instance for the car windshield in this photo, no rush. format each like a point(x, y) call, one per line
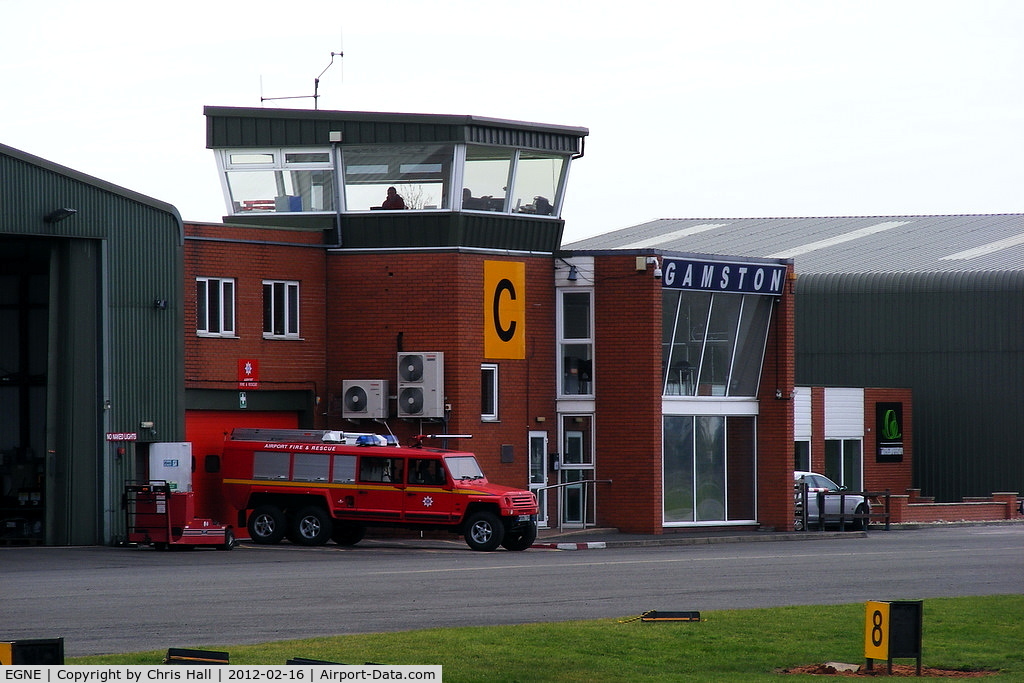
point(463, 467)
point(817, 481)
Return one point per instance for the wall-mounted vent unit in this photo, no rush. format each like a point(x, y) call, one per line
point(421, 384)
point(364, 398)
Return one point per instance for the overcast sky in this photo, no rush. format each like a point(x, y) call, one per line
point(696, 109)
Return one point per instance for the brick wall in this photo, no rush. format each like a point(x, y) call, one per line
point(878, 476)
point(627, 383)
point(360, 309)
point(381, 303)
point(775, 419)
point(212, 363)
point(897, 477)
point(627, 372)
point(1000, 506)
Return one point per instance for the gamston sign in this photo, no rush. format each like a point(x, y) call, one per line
point(722, 276)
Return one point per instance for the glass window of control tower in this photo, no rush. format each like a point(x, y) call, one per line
point(486, 178)
point(538, 178)
point(439, 177)
point(421, 175)
point(263, 181)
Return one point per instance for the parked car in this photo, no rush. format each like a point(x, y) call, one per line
point(853, 504)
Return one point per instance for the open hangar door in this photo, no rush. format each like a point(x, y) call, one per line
point(206, 429)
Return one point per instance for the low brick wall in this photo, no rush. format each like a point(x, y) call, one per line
point(913, 508)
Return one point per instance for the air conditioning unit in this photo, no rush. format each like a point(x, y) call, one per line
point(364, 398)
point(421, 384)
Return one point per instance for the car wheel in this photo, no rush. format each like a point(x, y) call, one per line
point(520, 540)
point(311, 526)
point(347, 534)
point(266, 525)
point(861, 523)
point(484, 531)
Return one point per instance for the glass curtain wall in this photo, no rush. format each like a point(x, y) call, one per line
point(712, 346)
point(713, 343)
point(708, 468)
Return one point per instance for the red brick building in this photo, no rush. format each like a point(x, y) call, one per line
point(637, 389)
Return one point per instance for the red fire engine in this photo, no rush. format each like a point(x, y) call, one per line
point(315, 486)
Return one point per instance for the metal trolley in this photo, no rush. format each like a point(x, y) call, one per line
point(161, 517)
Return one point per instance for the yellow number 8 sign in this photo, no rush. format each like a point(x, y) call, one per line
point(876, 630)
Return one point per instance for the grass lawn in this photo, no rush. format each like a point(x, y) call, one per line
point(749, 645)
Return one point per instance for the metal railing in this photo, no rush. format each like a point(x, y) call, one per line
point(842, 517)
point(583, 503)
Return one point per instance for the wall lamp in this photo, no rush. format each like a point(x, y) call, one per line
point(574, 271)
point(58, 215)
point(657, 266)
point(160, 304)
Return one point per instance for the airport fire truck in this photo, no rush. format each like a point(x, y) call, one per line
point(311, 486)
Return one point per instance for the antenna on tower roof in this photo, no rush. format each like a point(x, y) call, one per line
point(316, 86)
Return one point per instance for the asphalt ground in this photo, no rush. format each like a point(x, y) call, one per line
point(597, 538)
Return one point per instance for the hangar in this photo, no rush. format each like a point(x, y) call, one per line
point(92, 355)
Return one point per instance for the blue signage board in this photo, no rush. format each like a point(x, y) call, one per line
point(723, 276)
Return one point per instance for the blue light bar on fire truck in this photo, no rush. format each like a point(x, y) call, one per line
point(376, 440)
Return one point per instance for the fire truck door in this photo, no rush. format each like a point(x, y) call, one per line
point(429, 496)
point(380, 492)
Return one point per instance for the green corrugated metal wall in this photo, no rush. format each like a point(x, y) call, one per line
point(954, 338)
point(107, 341)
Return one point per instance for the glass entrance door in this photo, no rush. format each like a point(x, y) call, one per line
point(578, 503)
point(539, 474)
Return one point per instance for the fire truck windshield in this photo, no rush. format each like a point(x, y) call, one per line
point(463, 467)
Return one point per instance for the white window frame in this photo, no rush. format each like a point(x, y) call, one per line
point(226, 307)
point(492, 368)
point(286, 314)
point(563, 341)
point(277, 162)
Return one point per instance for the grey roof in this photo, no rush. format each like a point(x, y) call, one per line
point(850, 244)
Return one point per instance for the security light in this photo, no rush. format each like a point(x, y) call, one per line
point(58, 215)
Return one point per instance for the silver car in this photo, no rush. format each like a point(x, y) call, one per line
point(853, 504)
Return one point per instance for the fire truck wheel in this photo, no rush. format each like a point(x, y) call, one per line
point(266, 524)
point(520, 540)
point(229, 540)
point(348, 534)
point(310, 526)
point(484, 531)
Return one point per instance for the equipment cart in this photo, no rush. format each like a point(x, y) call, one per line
point(162, 518)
